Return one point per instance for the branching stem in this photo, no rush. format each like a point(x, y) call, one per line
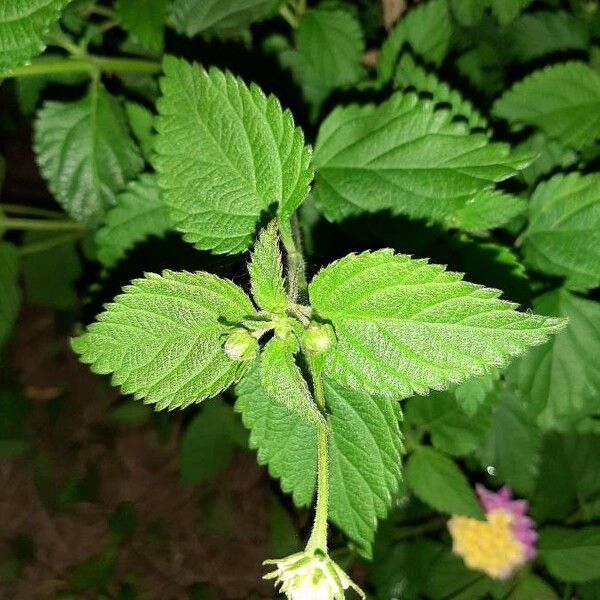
point(296, 266)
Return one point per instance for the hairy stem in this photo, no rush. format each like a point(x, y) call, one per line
point(85, 64)
point(318, 536)
point(296, 266)
point(21, 209)
point(40, 225)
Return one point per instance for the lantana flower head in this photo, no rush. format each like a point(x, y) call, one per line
point(311, 575)
point(503, 542)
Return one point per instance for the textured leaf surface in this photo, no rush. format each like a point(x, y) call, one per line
point(571, 554)
point(282, 379)
point(513, 444)
point(285, 442)
point(192, 17)
point(85, 152)
point(411, 75)
point(441, 416)
point(558, 379)
point(144, 20)
point(328, 55)
point(226, 153)
point(9, 288)
point(487, 210)
point(139, 213)
point(436, 480)
point(365, 461)
point(162, 338)
point(405, 326)
point(427, 29)
point(23, 24)
point(266, 271)
point(405, 156)
point(563, 237)
point(562, 100)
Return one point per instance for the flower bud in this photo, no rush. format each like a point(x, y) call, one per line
point(241, 345)
point(318, 338)
point(311, 575)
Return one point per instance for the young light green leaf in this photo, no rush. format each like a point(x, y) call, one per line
point(139, 213)
point(451, 432)
point(141, 123)
point(23, 25)
point(563, 237)
point(404, 326)
point(192, 17)
point(282, 380)
point(328, 55)
point(365, 461)
point(207, 444)
point(507, 10)
point(404, 156)
point(409, 74)
point(285, 442)
point(49, 275)
point(571, 554)
point(85, 152)
point(513, 444)
point(144, 21)
point(436, 480)
point(427, 29)
point(9, 288)
point(163, 338)
point(562, 100)
point(559, 380)
point(225, 154)
point(545, 32)
point(488, 209)
point(266, 272)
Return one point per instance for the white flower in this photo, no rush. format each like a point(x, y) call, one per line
point(311, 576)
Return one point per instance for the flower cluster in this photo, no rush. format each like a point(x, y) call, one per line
point(500, 544)
point(311, 575)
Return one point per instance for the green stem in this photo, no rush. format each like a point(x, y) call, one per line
point(318, 536)
point(409, 531)
point(38, 225)
point(289, 16)
point(52, 242)
point(21, 209)
point(296, 266)
point(87, 64)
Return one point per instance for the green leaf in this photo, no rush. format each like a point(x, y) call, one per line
point(144, 21)
point(472, 394)
point(427, 29)
point(141, 123)
point(192, 17)
point(468, 12)
point(450, 430)
point(97, 571)
point(507, 10)
point(545, 32)
point(139, 213)
point(563, 237)
point(328, 55)
point(163, 338)
point(488, 209)
point(282, 379)
point(409, 74)
point(285, 442)
point(436, 480)
point(266, 272)
point(404, 326)
point(23, 25)
point(365, 461)
point(57, 290)
point(206, 443)
point(404, 156)
point(562, 100)
point(571, 554)
point(10, 297)
point(532, 587)
point(225, 154)
point(513, 444)
point(85, 152)
point(558, 379)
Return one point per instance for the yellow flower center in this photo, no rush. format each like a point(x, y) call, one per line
point(489, 546)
